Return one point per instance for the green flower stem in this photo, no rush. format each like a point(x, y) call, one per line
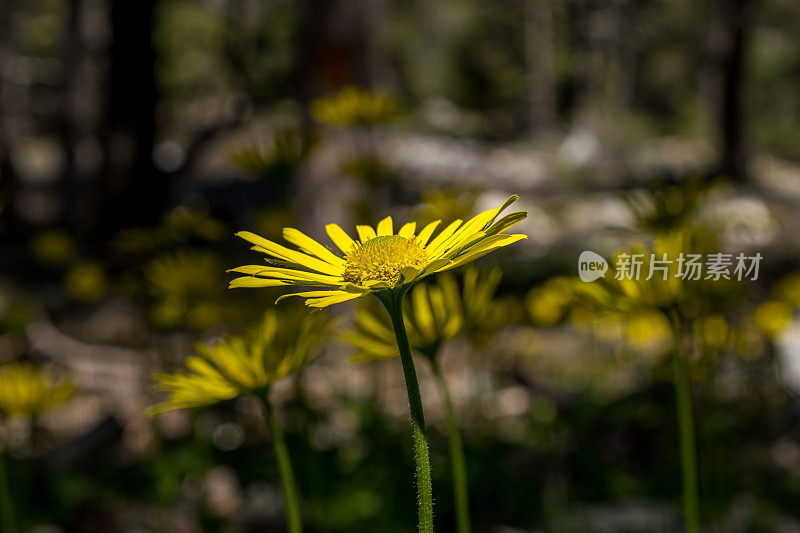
point(284, 468)
point(457, 461)
point(7, 520)
point(683, 404)
point(393, 300)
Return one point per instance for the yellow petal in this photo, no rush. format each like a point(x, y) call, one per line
point(340, 238)
point(440, 313)
point(462, 245)
point(288, 274)
point(281, 252)
point(251, 270)
point(365, 233)
point(434, 266)
point(472, 226)
point(385, 227)
point(331, 300)
point(369, 349)
point(407, 230)
point(487, 245)
point(510, 200)
point(465, 232)
point(427, 231)
point(250, 281)
point(423, 315)
point(370, 324)
point(308, 294)
point(306, 243)
point(439, 239)
point(508, 221)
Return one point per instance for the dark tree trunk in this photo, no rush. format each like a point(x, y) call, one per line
point(133, 190)
point(66, 120)
point(727, 46)
point(734, 157)
point(338, 45)
point(8, 177)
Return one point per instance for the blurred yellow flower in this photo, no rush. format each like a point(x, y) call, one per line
point(86, 282)
point(635, 307)
point(352, 106)
point(650, 308)
point(648, 328)
point(771, 317)
point(53, 247)
point(713, 330)
point(26, 390)
point(448, 204)
point(183, 274)
point(435, 314)
point(280, 346)
point(658, 284)
point(788, 289)
point(548, 303)
point(380, 261)
point(204, 315)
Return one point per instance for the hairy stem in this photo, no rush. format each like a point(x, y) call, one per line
point(394, 302)
point(284, 468)
point(457, 461)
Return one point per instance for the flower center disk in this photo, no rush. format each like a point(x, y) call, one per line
point(383, 258)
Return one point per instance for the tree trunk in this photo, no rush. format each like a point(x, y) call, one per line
point(133, 190)
point(8, 177)
point(727, 44)
point(66, 119)
point(338, 46)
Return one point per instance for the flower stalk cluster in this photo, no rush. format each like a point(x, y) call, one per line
point(386, 264)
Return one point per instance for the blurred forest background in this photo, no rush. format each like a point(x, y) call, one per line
point(137, 136)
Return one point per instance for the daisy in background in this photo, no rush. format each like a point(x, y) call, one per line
point(26, 391)
point(354, 106)
point(248, 365)
point(29, 391)
point(386, 264)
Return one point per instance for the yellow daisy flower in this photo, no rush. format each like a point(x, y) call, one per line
point(246, 364)
point(353, 106)
point(386, 264)
point(26, 390)
point(379, 261)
